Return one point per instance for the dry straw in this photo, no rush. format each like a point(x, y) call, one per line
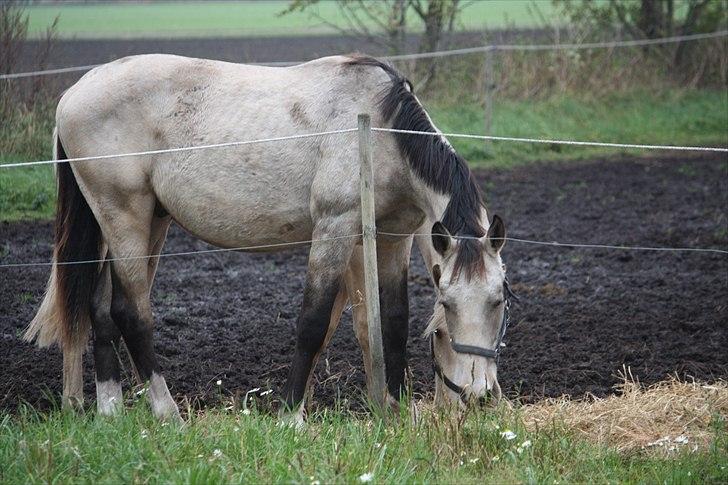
point(662, 418)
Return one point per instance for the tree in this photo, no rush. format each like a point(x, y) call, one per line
point(650, 19)
point(384, 22)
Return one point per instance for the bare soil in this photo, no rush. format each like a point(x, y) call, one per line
point(583, 315)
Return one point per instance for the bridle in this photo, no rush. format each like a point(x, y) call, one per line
point(473, 349)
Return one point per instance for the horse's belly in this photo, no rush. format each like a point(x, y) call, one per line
point(236, 211)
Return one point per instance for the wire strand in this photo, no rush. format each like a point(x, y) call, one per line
point(183, 253)
point(554, 142)
point(180, 149)
point(572, 245)
point(544, 47)
point(444, 53)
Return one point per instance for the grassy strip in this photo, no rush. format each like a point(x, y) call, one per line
point(677, 117)
point(215, 19)
point(667, 118)
point(220, 446)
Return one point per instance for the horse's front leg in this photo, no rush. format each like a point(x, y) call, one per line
point(327, 263)
point(392, 266)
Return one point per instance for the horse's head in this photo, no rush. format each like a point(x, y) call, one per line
point(470, 316)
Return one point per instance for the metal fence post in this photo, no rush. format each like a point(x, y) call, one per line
point(371, 277)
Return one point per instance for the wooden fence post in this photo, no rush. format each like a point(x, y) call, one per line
point(371, 277)
point(489, 88)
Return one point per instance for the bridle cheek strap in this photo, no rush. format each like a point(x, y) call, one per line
point(445, 380)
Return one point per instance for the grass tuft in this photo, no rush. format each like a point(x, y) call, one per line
point(662, 418)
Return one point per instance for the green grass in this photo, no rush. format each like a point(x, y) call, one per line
point(214, 19)
point(668, 118)
point(678, 118)
point(231, 447)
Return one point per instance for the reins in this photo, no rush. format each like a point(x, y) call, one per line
point(473, 349)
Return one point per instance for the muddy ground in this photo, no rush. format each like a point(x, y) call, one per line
point(584, 313)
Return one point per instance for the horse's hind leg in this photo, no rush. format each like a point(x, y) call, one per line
point(129, 235)
point(106, 338)
point(72, 378)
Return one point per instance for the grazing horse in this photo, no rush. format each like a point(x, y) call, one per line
point(118, 211)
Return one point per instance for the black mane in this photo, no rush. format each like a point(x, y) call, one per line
point(435, 162)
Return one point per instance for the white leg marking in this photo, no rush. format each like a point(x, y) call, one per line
point(292, 418)
point(163, 406)
point(109, 400)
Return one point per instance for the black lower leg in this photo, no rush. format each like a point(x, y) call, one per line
point(313, 323)
point(394, 307)
point(137, 332)
point(106, 349)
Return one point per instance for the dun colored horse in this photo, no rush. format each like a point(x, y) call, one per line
point(260, 194)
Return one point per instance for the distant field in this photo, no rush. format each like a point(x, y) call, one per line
point(260, 18)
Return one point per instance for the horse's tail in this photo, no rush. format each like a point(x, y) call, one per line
point(64, 316)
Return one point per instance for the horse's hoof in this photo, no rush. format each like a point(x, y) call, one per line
point(292, 419)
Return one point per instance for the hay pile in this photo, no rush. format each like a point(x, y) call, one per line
point(661, 418)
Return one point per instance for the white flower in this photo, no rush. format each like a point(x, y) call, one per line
point(236, 429)
point(246, 411)
point(216, 453)
point(508, 435)
point(219, 382)
point(144, 434)
point(495, 458)
point(526, 444)
point(366, 477)
point(474, 460)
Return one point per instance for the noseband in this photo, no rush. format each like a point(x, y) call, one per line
point(473, 349)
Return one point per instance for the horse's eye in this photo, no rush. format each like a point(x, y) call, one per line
point(497, 304)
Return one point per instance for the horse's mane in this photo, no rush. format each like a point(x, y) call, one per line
point(435, 162)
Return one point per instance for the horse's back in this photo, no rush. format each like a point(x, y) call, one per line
point(153, 102)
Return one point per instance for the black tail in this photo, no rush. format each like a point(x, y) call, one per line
point(78, 238)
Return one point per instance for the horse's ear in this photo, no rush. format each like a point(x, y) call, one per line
point(441, 239)
point(496, 236)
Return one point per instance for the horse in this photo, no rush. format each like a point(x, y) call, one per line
point(117, 212)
